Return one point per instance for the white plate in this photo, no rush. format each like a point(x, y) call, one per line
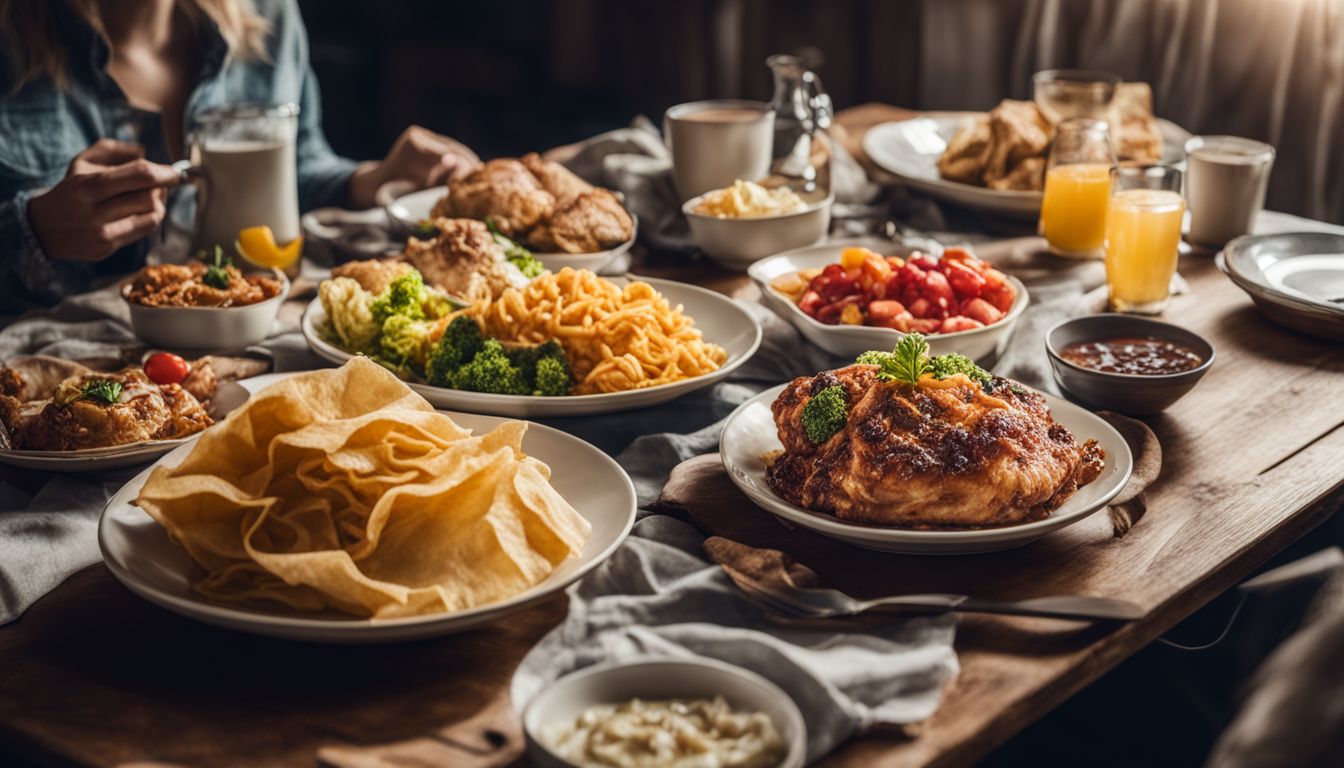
point(138, 552)
point(750, 433)
point(854, 340)
point(228, 396)
point(406, 212)
point(721, 320)
point(910, 149)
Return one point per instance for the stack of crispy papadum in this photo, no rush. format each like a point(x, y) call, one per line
point(343, 489)
point(1006, 148)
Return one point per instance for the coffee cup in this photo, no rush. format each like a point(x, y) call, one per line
point(1226, 179)
point(714, 143)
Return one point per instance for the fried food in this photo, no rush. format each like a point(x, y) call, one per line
point(343, 489)
point(595, 221)
point(504, 191)
point(1135, 131)
point(373, 275)
point(556, 179)
point(465, 260)
point(1019, 132)
point(182, 285)
point(941, 453)
point(967, 152)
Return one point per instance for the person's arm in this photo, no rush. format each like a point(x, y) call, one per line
point(323, 175)
point(27, 276)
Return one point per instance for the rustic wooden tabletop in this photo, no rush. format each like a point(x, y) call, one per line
point(92, 675)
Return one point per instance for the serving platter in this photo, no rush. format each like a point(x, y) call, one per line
point(405, 213)
point(1296, 279)
point(749, 434)
point(228, 396)
point(140, 555)
point(720, 319)
point(854, 340)
point(909, 149)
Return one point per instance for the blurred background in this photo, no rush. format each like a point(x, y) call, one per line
point(511, 76)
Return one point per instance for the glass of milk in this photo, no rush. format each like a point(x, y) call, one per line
point(244, 168)
point(1226, 178)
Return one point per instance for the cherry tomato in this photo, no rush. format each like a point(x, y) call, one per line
point(966, 282)
point(166, 368)
point(936, 287)
point(925, 325)
point(981, 310)
point(810, 303)
point(880, 312)
point(959, 323)
point(999, 296)
point(925, 262)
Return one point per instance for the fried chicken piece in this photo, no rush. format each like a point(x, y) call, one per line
point(1027, 175)
point(1138, 138)
point(503, 190)
point(941, 454)
point(555, 178)
point(967, 152)
point(69, 420)
point(464, 260)
point(373, 275)
point(540, 240)
point(202, 381)
point(595, 221)
point(181, 285)
point(1020, 131)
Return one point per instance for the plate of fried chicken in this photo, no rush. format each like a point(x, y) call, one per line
point(539, 203)
point(995, 161)
point(960, 462)
point(61, 415)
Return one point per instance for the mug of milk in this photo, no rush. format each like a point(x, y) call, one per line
point(244, 168)
point(1225, 183)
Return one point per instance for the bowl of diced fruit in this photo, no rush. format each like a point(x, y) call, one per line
point(850, 296)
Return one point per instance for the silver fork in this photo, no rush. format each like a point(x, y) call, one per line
point(831, 603)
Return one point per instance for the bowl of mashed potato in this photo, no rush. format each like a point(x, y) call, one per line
point(664, 712)
point(745, 222)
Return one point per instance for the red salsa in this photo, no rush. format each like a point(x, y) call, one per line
point(1144, 356)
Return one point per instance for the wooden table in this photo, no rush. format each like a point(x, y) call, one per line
point(92, 675)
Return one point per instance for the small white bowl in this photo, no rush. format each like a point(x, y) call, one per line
point(653, 679)
point(206, 328)
point(737, 243)
point(853, 340)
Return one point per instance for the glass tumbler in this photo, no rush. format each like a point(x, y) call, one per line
point(1077, 189)
point(1143, 237)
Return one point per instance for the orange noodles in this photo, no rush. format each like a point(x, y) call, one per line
point(616, 337)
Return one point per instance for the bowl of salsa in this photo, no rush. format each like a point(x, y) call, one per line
point(1128, 364)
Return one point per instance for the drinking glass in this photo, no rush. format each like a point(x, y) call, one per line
point(1077, 189)
point(1062, 94)
point(1143, 235)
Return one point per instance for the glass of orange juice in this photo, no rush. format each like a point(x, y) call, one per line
point(1143, 237)
point(1078, 189)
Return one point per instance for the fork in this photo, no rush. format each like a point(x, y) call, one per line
point(831, 603)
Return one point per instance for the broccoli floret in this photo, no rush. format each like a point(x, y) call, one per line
point(491, 371)
point(404, 296)
point(951, 364)
point(552, 377)
point(403, 340)
point(460, 342)
point(517, 255)
point(825, 414)
point(436, 304)
point(873, 357)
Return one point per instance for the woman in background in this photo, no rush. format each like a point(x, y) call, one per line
point(96, 99)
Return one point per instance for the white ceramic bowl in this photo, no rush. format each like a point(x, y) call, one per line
point(659, 678)
point(206, 328)
point(737, 243)
point(405, 213)
point(853, 340)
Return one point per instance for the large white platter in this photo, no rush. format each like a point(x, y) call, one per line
point(140, 555)
point(229, 396)
point(854, 340)
point(406, 212)
point(910, 149)
point(750, 433)
point(721, 319)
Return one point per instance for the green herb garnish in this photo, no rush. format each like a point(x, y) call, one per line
point(910, 360)
point(825, 414)
point(107, 390)
point(517, 255)
point(216, 270)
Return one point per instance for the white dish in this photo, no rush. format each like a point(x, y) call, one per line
point(562, 702)
point(1296, 279)
point(909, 149)
point(721, 320)
point(737, 243)
point(140, 555)
point(406, 212)
point(228, 396)
point(207, 328)
point(750, 433)
point(854, 340)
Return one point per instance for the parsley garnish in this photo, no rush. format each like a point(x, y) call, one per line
point(216, 271)
point(107, 390)
point(910, 360)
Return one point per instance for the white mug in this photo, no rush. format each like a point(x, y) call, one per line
point(1225, 183)
point(714, 143)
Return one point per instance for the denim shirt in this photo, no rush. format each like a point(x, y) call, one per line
point(43, 127)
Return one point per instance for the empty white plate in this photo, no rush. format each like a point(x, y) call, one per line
point(140, 555)
point(750, 433)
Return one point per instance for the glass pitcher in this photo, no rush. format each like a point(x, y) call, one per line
point(801, 108)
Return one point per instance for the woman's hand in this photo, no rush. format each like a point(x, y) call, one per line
point(111, 196)
point(420, 156)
